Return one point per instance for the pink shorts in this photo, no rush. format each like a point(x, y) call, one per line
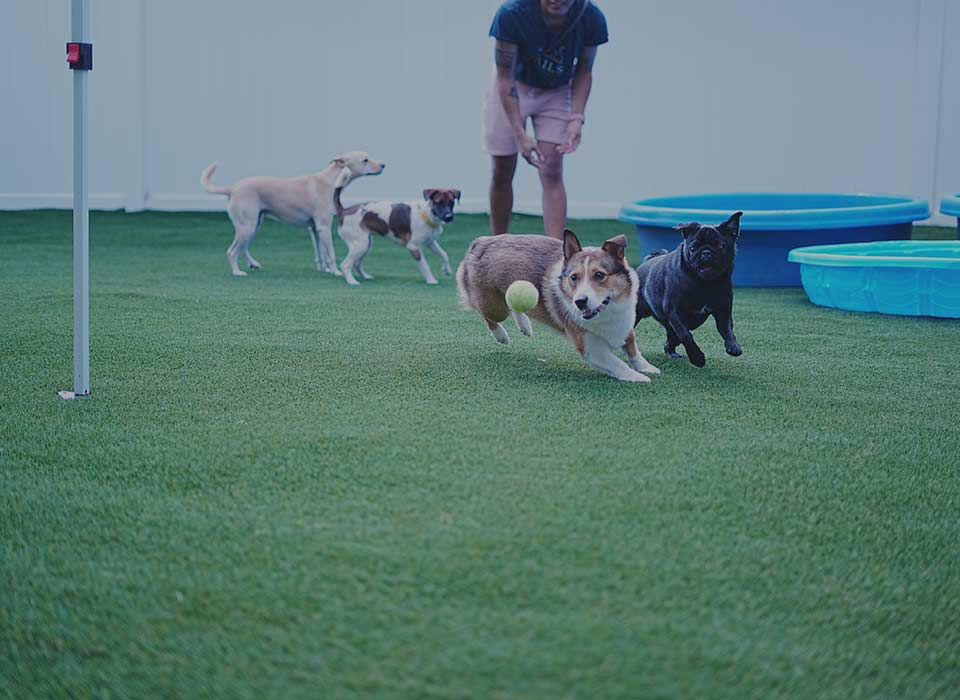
point(549, 109)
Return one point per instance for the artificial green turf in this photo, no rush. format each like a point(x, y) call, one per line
point(285, 487)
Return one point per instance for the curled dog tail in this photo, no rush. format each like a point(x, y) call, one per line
point(209, 186)
point(655, 254)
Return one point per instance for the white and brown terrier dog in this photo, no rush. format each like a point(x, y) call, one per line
point(589, 294)
point(414, 225)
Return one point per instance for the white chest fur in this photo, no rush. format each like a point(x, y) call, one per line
point(424, 228)
point(614, 324)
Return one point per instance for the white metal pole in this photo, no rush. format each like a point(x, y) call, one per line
point(81, 213)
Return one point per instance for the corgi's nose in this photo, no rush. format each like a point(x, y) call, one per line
point(581, 303)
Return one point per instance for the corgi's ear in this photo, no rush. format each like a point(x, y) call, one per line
point(343, 177)
point(615, 246)
point(571, 245)
point(732, 225)
point(687, 229)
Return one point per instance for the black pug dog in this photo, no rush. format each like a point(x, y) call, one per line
point(682, 287)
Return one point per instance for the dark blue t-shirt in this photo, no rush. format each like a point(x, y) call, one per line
point(540, 61)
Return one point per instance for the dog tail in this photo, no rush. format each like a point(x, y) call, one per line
point(655, 254)
point(338, 205)
point(463, 291)
point(463, 279)
point(209, 186)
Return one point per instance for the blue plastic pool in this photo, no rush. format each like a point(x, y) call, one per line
point(773, 224)
point(907, 278)
point(951, 207)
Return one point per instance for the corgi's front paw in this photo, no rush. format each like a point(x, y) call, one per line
point(643, 366)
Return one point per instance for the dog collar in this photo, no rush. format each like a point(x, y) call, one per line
point(427, 219)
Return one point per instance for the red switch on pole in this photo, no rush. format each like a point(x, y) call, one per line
point(79, 55)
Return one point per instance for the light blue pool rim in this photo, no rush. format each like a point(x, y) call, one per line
point(950, 205)
point(770, 211)
point(900, 254)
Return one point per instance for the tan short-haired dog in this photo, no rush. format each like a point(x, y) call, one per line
point(302, 201)
point(589, 294)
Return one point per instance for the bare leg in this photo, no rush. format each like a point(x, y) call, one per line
point(501, 193)
point(554, 192)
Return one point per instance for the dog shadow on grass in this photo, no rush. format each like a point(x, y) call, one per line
point(547, 368)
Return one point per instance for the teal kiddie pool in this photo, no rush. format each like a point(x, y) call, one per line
point(906, 278)
point(951, 207)
point(773, 223)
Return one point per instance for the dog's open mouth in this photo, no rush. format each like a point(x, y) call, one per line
point(712, 272)
point(591, 313)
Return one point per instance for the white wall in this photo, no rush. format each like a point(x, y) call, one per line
point(690, 96)
point(948, 163)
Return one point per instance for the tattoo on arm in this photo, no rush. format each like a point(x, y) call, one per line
point(503, 59)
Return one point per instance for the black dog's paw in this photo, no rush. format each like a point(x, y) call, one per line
point(735, 350)
point(697, 358)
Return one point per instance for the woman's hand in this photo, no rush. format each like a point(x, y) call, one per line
point(527, 146)
point(572, 134)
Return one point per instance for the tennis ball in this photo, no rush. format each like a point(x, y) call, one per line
point(522, 296)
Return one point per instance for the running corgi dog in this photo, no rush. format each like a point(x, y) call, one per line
point(589, 294)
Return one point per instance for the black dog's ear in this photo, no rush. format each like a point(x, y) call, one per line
point(688, 229)
point(615, 246)
point(732, 225)
point(571, 245)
